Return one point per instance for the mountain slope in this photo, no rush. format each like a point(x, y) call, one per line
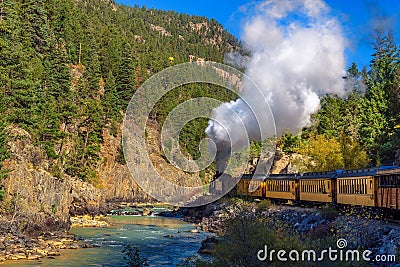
point(67, 72)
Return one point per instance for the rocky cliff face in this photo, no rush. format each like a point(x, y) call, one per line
point(36, 200)
point(116, 181)
point(282, 163)
point(41, 198)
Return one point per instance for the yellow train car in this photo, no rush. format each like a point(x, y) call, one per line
point(379, 187)
point(357, 187)
point(251, 186)
point(318, 187)
point(282, 186)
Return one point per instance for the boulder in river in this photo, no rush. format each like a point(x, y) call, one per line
point(146, 212)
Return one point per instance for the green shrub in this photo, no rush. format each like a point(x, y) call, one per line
point(2, 195)
point(263, 204)
point(329, 212)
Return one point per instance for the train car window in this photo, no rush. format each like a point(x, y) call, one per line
point(362, 186)
point(351, 186)
point(365, 186)
point(370, 184)
point(357, 186)
point(348, 186)
point(355, 190)
point(343, 186)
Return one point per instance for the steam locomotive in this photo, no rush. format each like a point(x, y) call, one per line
point(374, 187)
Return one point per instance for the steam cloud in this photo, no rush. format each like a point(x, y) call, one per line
point(297, 56)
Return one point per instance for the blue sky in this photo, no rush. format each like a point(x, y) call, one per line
point(358, 17)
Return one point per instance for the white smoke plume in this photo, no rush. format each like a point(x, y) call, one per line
point(297, 56)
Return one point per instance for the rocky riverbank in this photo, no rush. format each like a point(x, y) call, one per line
point(16, 244)
point(360, 227)
point(48, 244)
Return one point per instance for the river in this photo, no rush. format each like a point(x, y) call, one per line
point(163, 241)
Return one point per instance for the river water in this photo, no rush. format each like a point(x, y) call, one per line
point(163, 241)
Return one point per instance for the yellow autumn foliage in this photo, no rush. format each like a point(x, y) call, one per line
point(322, 153)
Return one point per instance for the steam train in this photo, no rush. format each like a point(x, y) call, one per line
point(374, 187)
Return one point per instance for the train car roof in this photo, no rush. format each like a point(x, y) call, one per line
point(312, 175)
point(370, 171)
point(254, 176)
point(287, 176)
point(388, 170)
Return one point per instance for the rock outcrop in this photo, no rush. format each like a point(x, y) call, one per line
point(40, 197)
point(38, 200)
point(282, 163)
